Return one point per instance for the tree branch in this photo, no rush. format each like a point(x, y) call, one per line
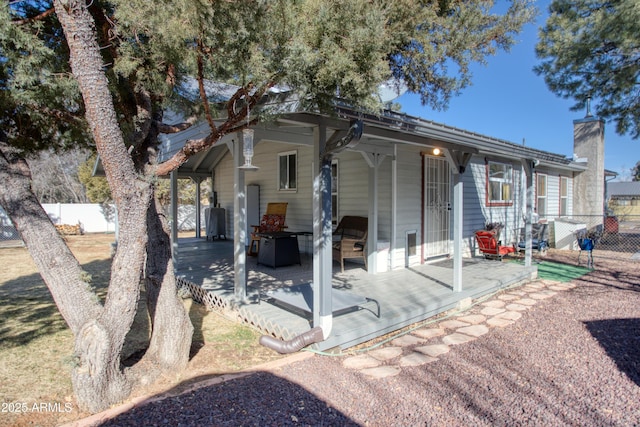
point(39, 17)
point(203, 92)
point(175, 128)
point(237, 119)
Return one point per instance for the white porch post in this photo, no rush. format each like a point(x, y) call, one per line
point(394, 206)
point(239, 224)
point(373, 160)
point(322, 234)
point(458, 207)
point(458, 162)
point(198, 180)
point(174, 217)
point(528, 167)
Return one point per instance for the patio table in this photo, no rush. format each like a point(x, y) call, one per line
point(278, 249)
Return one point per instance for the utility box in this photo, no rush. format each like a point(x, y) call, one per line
point(564, 230)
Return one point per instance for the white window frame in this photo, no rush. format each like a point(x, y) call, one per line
point(564, 198)
point(505, 183)
point(542, 199)
point(288, 187)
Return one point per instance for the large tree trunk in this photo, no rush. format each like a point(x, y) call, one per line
point(97, 377)
point(69, 285)
point(172, 330)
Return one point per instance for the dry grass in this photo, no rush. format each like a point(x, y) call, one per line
point(36, 346)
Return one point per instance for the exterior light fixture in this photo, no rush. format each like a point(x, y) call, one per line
point(436, 151)
point(247, 150)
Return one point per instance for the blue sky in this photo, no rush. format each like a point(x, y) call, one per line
point(507, 100)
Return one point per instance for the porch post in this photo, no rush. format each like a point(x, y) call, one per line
point(198, 180)
point(528, 167)
point(458, 192)
point(174, 217)
point(239, 224)
point(322, 234)
point(373, 160)
point(458, 162)
point(394, 206)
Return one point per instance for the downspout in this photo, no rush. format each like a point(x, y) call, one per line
point(293, 345)
point(317, 334)
point(422, 210)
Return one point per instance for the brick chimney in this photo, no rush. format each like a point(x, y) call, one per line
point(589, 186)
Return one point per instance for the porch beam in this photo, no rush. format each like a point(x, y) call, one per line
point(413, 139)
point(285, 136)
point(239, 223)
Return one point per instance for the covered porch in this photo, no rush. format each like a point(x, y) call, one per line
point(391, 300)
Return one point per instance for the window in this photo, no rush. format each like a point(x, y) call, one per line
point(287, 171)
point(334, 192)
point(499, 184)
point(541, 195)
point(564, 196)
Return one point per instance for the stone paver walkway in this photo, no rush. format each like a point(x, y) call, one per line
point(425, 344)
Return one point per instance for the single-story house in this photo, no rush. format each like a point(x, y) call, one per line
point(425, 188)
point(623, 198)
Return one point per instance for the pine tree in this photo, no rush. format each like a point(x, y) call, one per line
point(102, 74)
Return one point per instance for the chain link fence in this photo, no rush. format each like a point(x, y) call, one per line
point(615, 237)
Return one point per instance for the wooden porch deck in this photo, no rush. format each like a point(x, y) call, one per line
point(405, 296)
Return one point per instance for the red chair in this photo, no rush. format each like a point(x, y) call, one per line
point(490, 246)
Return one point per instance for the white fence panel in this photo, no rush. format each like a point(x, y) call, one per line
point(92, 217)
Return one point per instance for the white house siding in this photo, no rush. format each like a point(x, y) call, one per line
point(476, 212)
point(353, 194)
point(408, 217)
point(299, 209)
point(353, 191)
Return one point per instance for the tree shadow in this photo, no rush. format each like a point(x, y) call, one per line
point(27, 310)
point(620, 338)
point(197, 312)
point(255, 399)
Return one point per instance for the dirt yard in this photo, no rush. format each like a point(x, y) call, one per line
point(36, 346)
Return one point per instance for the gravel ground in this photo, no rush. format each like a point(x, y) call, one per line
point(573, 359)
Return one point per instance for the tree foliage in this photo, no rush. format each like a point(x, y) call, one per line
point(591, 49)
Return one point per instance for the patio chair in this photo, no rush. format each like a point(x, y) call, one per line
point(490, 246)
point(539, 238)
point(272, 222)
point(350, 240)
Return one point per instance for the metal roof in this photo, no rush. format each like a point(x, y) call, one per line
point(631, 188)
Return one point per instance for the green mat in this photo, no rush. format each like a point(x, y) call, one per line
point(559, 272)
